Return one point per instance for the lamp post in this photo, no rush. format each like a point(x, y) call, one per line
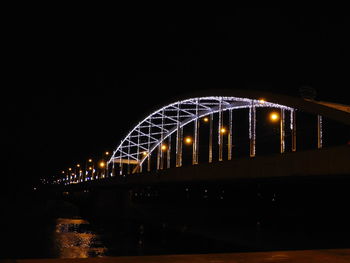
point(77, 172)
point(106, 157)
point(162, 149)
point(88, 168)
point(93, 170)
point(275, 117)
point(102, 166)
point(69, 176)
point(63, 175)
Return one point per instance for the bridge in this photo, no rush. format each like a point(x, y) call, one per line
point(195, 137)
point(248, 170)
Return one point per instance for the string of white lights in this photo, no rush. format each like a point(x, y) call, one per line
point(186, 111)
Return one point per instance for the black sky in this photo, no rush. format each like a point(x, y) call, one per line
point(76, 86)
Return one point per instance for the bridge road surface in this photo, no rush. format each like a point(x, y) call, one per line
point(297, 256)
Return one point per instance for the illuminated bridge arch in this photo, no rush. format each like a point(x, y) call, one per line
point(149, 134)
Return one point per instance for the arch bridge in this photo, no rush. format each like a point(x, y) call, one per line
point(156, 142)
point(152, 137)
point(158, 174)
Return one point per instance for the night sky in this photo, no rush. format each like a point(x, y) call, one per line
point(78, 85)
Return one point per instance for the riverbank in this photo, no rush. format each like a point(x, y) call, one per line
point(299, 256)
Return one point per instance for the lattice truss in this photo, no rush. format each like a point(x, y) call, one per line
point(149, 134)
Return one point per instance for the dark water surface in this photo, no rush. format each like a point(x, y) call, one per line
point(78, 238)
point(53, 229)
point(271, 215)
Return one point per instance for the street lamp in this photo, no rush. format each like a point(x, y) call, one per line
point(102, 164)
point(188, 140)
point(89, 166)
point(274, 116)
point(80, 176)
point(86, 172)
point(105, 173)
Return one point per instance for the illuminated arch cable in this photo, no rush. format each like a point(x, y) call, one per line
point(155, 129)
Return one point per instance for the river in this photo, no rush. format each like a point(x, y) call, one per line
point(274, 215)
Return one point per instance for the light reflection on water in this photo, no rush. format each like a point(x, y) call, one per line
point(73, 238)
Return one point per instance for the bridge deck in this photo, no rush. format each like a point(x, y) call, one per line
point(330, 161)
point(299, 256)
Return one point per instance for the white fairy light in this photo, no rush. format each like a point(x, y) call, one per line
point(177, 115)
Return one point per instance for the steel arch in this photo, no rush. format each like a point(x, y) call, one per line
point(148, 134)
